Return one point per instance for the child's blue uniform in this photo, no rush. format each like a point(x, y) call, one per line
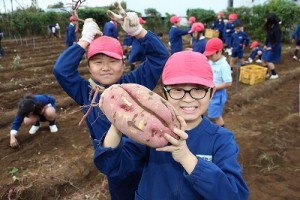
point(253, 53)
point(219, 25)
point(273, 40)
point(217, 175)
point(77, 87)
point(238, 41)
point(44, 99)
point(127, 41)
point(296, 35)
point(110, 30)
point(175, 38)
point(137, 52)
point(199, 46)
point(227, 35)
point(71, 35)
point(222, 74)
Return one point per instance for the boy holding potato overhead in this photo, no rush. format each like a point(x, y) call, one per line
point(199, 162)
point(106, 66)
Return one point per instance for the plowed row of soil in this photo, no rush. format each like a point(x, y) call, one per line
point(264, 117)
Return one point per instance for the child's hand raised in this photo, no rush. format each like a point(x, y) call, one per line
point(129, 21)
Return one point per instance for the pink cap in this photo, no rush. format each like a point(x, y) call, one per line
point(253, 44)
point(188, 67)
point(221, 14)
point(212, 46)
point(142, 21)
point(106, 45)
point(197, 26)
point(192, 20)
point(73, 18)
point(174, 19)
point(233, 16)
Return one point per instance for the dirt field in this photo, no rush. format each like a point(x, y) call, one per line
point(264, 117)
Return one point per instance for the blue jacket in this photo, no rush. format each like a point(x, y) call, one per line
point(238, 40)
point(137, 52)
point(219, 25)
point(217, 174)
point(110, 30)
point(227, 35)
point(199, 46)
point(41, 98)
point(253, 53)
point(127, 40)
point(175, 39)
point(77, 87)
point(71, 35)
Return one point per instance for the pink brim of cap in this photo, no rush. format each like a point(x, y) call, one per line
point(209, 53)
point(188, 79)
point(108, 53)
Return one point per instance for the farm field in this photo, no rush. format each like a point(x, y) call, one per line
point(264, 117)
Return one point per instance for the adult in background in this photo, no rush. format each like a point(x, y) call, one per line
point(71, 31)
point(175, 35)
point(296, 39)
point(106, 65)
point(52, 31)
point(219, 25)
point(110, 29)
point(272, 47)
point(33, 109)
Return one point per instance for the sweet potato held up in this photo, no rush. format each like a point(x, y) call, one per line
point(139, 113)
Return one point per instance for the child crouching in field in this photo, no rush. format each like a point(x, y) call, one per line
point(256, 52)
point(33, 109)
point(201, 164)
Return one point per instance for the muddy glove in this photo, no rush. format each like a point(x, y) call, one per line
point(129, 21)
point(90, 30)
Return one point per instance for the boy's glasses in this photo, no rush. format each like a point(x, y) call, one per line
point(179, 93)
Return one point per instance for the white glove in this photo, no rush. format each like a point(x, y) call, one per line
point(129, 21)
point(90, 30)
point(13, 132)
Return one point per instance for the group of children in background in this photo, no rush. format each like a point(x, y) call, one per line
point(195, 84)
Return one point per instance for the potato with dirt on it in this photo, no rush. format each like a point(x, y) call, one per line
point(139, 113)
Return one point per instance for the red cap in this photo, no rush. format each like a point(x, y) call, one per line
point(212, 46)
point(106, 45)
point(174, 19)
point(221, 14)
point(192, 20)
point(253, 44)
point(197, 26)
point(73, 18)
point(233, 16)
point(188, 67)
point(142, 21)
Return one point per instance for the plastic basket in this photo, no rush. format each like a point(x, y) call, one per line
point(210, 33)
point(252, 74)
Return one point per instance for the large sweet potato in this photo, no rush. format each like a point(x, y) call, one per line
point(139, 113)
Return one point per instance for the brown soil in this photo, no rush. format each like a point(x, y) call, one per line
point(264, 117)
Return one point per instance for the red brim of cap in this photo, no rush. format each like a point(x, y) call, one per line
point(108, 53)
point(188, 79)
point(209, 53)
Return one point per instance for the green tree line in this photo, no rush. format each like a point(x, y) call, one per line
point(34, 22)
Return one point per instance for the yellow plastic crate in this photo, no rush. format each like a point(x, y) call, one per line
point(252, 74)
point(210, 33)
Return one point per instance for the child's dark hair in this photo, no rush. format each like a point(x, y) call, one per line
point(27, 105)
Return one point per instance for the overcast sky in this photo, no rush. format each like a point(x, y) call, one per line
point(177, 7)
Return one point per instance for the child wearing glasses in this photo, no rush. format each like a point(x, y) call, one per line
point(222, 79)
point(201, 164)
